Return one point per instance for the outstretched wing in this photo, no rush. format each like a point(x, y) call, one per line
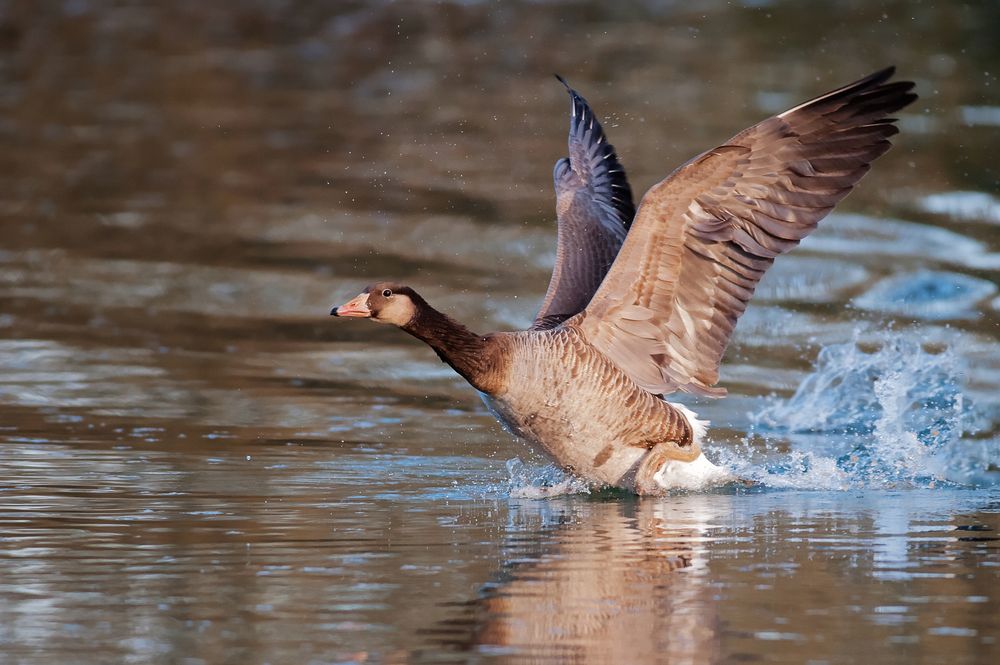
point(705, 235)
point(594, 210)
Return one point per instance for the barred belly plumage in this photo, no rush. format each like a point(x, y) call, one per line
point(575, 416)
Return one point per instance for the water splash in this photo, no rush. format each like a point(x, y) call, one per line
point(859, 388)
point(525, 481)
point(888, 414)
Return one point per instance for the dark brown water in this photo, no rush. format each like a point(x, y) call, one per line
point(197, 465)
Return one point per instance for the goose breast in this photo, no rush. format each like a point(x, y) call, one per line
point(572, 403)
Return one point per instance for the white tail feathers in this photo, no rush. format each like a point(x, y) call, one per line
point(698, 427)
point(699, 473)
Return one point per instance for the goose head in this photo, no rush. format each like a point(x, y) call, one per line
point(383, 302)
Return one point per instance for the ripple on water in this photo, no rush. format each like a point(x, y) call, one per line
point(759, 323)
point(176, 287)
point(928, 294)
point(862, 235)
point(963, 205)
point(981, 116)
point(809, 279)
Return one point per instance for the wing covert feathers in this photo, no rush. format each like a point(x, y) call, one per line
point(704, 236)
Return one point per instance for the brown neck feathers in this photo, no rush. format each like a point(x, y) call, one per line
point(469, 354)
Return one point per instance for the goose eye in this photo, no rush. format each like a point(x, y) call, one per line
point(386, 293)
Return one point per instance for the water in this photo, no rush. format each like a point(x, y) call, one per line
point(197, 465)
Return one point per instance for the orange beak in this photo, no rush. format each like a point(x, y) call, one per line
point(356, 308)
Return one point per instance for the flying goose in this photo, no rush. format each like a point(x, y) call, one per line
point(642, 303)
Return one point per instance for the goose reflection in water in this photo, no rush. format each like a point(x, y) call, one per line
point(587, 581)
point(625, 583)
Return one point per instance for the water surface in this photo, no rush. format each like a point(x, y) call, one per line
point(197, 465)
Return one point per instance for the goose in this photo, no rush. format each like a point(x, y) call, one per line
point(642, 302)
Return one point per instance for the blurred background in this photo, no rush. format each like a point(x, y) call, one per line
point(190, 446)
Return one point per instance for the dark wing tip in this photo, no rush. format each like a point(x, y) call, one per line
point(578, 105)
point(881, 76)
point(593, 158)
point(574, 95)
point(870, 96)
